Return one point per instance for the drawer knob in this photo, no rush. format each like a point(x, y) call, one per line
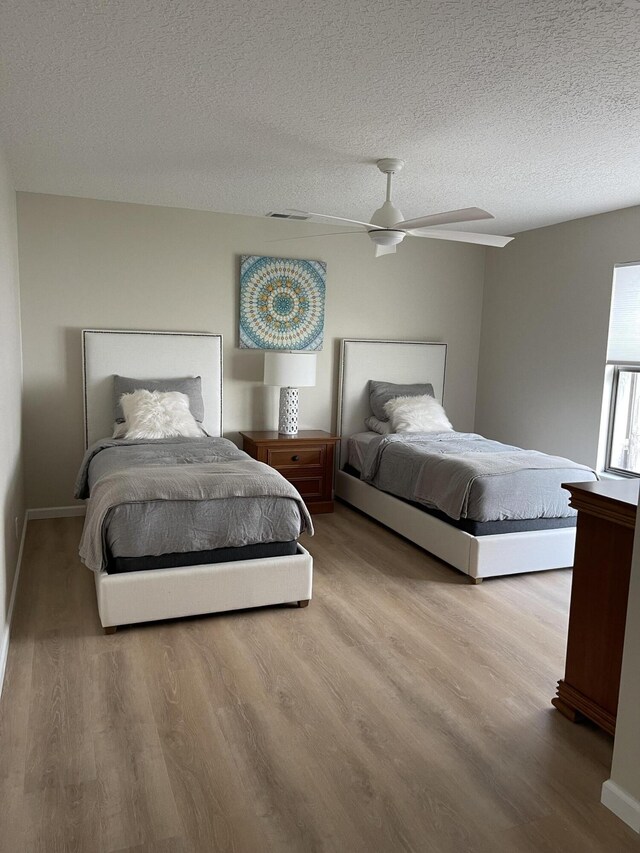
point(295, 458)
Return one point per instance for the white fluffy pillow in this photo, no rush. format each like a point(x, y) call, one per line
point(417, 414)
point(158, 414)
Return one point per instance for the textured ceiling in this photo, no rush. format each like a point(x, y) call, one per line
point(528, 108)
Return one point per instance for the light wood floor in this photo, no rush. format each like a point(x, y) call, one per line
point(404, 710)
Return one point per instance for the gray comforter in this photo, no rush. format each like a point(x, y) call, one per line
point(176, 495)
point(467, 476)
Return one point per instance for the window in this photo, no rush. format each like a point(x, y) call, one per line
point(623, 360)
point(624, 445)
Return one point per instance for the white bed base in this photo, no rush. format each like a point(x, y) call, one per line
point(477, 556)
point(131, 597)
point(146, 596)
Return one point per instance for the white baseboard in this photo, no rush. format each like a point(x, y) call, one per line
point(4, 641)
point(55, 512)
point(622, 804)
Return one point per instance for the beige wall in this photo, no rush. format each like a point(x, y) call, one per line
point(88, 263)
point(544, 333)
point(11, 483)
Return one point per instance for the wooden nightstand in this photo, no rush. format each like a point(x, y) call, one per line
point(305, 459)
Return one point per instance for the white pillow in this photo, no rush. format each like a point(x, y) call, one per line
point(417, 414)
point(158, 414)
point(381, 427)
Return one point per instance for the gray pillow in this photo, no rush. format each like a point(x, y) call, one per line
point(189, 385)
point(381, 392)
point(374, 425)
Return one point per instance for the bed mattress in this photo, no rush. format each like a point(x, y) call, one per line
point(164, 527)
point(182, 497)
point(260, 551)
point(500, 503)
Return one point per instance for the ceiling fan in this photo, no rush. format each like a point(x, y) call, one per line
point(387, 228)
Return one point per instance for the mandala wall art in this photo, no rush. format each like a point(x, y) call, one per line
point(281, 303)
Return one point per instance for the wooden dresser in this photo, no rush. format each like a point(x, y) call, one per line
point(305, 459)
point(599, 593)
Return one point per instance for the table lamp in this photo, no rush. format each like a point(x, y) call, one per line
point(289, 370)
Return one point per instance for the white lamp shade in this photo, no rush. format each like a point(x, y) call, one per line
point(294, 369)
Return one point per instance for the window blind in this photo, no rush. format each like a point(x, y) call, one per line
point(624, 322)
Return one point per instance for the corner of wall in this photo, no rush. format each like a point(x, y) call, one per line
point(622, 804)
point(6, 629)
point(488, 261)
point(12, 498)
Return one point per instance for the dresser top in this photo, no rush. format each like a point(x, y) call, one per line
point(622, 491)
point(616, 500)
point(311, 435)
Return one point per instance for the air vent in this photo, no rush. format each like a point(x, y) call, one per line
point(299, 216)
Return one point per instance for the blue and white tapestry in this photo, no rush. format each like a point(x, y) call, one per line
point(281, 303)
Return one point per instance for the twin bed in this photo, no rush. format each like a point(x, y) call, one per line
point(505, 514)
point(181, 526)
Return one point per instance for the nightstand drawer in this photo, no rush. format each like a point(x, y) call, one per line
point(302, 457)
point(309, 487)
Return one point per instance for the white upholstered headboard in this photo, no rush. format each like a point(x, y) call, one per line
point(147, 355)
point(388, 361)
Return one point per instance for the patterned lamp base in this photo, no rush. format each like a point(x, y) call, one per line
point(288, 414)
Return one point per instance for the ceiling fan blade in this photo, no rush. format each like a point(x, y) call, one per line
point(368, 225)
point(465, 237)
point(465, 214)
point(385, 250)
point(309, 236)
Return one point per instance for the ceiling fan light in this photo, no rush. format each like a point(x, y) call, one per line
point(387, 215)
point(387, 237)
